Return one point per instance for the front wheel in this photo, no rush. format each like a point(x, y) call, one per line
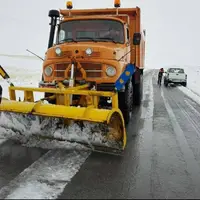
point(125, 102)
point(138, 92)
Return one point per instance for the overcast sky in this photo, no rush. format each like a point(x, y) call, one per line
point(173, 30)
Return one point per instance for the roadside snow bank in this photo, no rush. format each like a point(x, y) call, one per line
point(23, 72)
point(193, 76)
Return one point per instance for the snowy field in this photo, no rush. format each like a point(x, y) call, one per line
point(193, 82)
point(23, 72)
point(193, 73)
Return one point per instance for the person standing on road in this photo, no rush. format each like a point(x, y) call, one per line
point(160, 74)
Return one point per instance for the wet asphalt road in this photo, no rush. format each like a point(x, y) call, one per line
point(162, 158)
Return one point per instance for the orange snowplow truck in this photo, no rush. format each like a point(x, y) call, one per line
point(92, 77)
point(102, 42)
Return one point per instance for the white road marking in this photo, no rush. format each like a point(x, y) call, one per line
point(193, 167)
point(47, 177)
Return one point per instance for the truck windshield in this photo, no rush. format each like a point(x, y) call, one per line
point(176, 70)
point(91, 30)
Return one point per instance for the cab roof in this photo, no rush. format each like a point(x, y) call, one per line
point(105, 11)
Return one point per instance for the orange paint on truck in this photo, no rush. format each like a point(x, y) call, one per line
point(104, 53)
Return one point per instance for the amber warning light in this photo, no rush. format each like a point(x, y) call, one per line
point(117, 3)
point(69, 5)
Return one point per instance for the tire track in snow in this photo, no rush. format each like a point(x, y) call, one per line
point(197, 116)
point(194, 104)
point(169, 179)
point(188, 118)
point(192, 165)
point(47, 177)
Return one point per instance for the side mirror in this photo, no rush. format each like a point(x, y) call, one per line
point(136, 38)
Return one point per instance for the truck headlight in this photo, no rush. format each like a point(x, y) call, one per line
point(48, 71)
point(58, 51)
point(88, 51)
point(111, 71)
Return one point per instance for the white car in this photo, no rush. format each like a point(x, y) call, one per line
point(175, 76)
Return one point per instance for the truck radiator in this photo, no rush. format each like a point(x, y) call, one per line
point(93, 70)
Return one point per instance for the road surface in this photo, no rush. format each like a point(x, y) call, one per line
point(162, 159)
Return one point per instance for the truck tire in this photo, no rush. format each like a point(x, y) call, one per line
point(184, 84)
point(165, 83)
point(138, 91)
point(125, 101)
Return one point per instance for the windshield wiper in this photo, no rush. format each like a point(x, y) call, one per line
point(67, 39)
point(87, 38)
point(106, 39)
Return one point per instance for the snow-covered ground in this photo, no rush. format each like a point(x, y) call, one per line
point(23, 72)
point(193, 82)
point(193, 74)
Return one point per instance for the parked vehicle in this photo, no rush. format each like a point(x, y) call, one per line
point(175, 76)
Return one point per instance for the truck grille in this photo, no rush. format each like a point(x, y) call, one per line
point(93, 70)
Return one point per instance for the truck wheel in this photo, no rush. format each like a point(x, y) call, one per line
point(165, 83)
point(184, 84)
point(138, 92)
point(125, 102)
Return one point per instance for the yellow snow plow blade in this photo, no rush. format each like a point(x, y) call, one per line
point(64, 108)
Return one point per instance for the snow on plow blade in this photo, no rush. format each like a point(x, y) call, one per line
point(97, 127)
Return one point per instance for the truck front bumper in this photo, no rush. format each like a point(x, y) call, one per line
point(176, 81)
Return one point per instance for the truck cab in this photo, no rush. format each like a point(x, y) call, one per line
point(99, 44)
